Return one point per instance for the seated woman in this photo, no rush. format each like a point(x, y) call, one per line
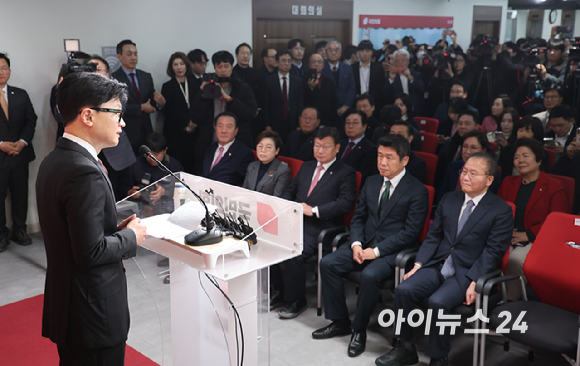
point(473, 142)
point(403, 101)
point(491, 122)
point(268, 175)
point(535, 195)
point(504, 135)
point(527, 127)
point(447, 128)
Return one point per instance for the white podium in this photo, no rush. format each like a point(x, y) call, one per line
point(203, 326)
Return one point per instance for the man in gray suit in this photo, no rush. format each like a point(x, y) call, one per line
point(143, 99)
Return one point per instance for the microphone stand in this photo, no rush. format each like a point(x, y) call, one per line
point(211, 234)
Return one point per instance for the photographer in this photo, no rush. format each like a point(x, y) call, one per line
point(553, 71)
point(232, 95)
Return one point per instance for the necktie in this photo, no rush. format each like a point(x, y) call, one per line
point(335, 74)
point(135, 86)
point(448, 270)
point(4, 104)
point(103, 166)
point(384, 198)
point(284, 99)
point(219, 157)
point(315, 180)
point(334, 69)
point(348, 150)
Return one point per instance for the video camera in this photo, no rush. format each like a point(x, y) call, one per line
point(73, 48)
point(212, 90)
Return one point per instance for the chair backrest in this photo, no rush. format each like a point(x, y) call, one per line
point(569, 187)
point(255, 154)
point(430, 141)
point(427, 124)
point(348, 217)
point(552, 155)
point(506, 257)
point(551, 266)
point(293, 164)
point(428, 218)
point(431, 162)
point(493, 146)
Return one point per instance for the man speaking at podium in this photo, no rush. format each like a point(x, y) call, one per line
point(85, 297)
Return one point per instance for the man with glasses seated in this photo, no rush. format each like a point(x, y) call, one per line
point(297, 47)
point(300, 142)
point(356, 150)
point(552, 97)
point(472, 230)
point(326, 188)
point(285, 97)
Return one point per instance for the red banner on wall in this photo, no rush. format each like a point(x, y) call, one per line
point(404, 21)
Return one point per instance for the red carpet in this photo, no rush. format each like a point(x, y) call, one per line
point(21, 343)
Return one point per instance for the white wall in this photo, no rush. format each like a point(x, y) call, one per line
point(522, 24)
point(547, 26)
point(460, 10)
point(33, 32)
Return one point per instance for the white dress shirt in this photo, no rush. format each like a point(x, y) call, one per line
point(287, 76)
point(217, 151)
point(365, 76)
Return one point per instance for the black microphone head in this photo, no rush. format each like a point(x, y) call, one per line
point(145, 150)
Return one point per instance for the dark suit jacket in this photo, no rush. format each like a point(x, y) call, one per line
point(85, 295)
point(416, 91)
point(363, 157)
point(232, 167)
point(300, 72)
point(274, 182)
point(346, 88)
point(376, 80)
point(293, 149)
point(548, 196)
point(479, 246)
point(133, 114)
point(417, 167)
point(334, 195)
point(402, 221)
point(273, 111)
point(324, 99)
point(20, 126)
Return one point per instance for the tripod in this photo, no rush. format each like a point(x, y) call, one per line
point(485, 72)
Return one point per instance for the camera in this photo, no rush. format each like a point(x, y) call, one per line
point(212, 90)
point(443, 62)
point(73, 48)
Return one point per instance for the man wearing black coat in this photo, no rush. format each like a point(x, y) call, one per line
point(300, 142)
point(356, 150)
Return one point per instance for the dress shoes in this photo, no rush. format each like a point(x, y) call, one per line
point(438, 361)
point(4, 242)
point(398, 356)
point(357, 344)
point(336, 328)
point(276, 300)
point(293, 309)
point(20, 237)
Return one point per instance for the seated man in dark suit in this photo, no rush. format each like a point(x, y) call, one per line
point(563, 128)
point(143, 99)
point(320, 92)
point(366, 103)
point(285, 98)
point(227, 159)
point(356, 150)
point(326, 188)
point(402, 80)
point(300, 142)
point(472, 231)
point(416, 165)
point(145, 171)
point(341, 74)
point(389, 216)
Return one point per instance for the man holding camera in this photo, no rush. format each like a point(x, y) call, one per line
point(221, 92)
point(17, 124)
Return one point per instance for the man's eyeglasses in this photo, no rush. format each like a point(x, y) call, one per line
point(117, 111)
point(472, 175)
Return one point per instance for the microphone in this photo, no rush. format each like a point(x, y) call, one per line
point(199, 237)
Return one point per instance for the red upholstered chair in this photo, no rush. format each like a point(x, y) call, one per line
point(569, 187)
point(431, 162)
point(430, 141)
point(551, 268)
point(493, 146)
point(293, 164)
point(427, 124)
point(552, 155)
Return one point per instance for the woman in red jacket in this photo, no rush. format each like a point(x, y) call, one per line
point(535, 195)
